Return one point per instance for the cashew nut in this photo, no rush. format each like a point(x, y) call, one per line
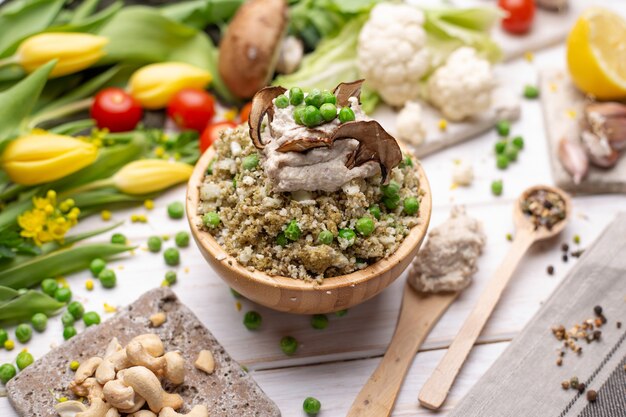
point(87, 369)
point(69, 408)
point(113, 346)
point(108, 367)
point(158, 319)
point(174, 401)
point(137, 355)
point(205, 361)
point(112, 413)
point(98, 408)
point(197, 411)
point(118, 394)
point(138, 404)
point(143, 413)
point(146, 384)
point(174, 367)
point(90, 388)
point(152, 343)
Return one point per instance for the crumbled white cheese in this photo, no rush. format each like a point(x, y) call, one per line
point(462, 173)
point(226, 164)
point(247, 180)
point(235, 148)
point(209, 191)
point(245, 255)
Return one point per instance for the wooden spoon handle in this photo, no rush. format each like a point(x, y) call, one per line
point(436, 388)
point(418, 315)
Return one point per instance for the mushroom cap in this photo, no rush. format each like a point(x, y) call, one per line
point(251, 45)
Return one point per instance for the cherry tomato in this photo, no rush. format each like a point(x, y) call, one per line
point(116, 110)
point(192, 108)
point(212, 132)
point(520, 15)
point(245, 113)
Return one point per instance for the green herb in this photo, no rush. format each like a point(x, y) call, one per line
point(252, 320)
point(288, 345)
point(319, 321)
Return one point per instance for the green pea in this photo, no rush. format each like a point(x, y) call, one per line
point(90, 318)
point(69, 332)
point(311, 116)
point(502, 161)
point(328, 111)
point(154, 243)
point(296, 96)
point(298, 114)
point(96, 266)
point(182, 239)
point(319, 321)
point(281, 240)
point(76, 309)
point(39, 322)
point(7, 372)
point(375, 211)
point(252, 320)
point(289, 345)
point(518, 142)
point(530, 91)
point(411, 205)
point(171, 256)
point(346, 115)
point(49, 286)
point(24, 359)
point(67, 319)
point(23, 333)
point(325, 237)
point(407, 162)
point(314, 98)
point(170, 277)
point(348, 235)
point(391, 202)
point(211, 219)
point(496, 187)
point(311, 406)
point(63, 294)
point(503, 127)
point(176, 210)
point(511, 152)
point(4, 336)
point(391, 190)
point(281, 101)
point(118, 238)
point(341, 313)
point(365, 226)
point(235, 293)
point(250, 162)
point(107, 278)
point(293, 232)
point(499, 147)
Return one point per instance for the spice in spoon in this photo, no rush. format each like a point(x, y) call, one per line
point(544, 208)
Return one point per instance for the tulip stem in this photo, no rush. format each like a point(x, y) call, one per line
point(59, 112)
point(90, 186)
point(10, 60)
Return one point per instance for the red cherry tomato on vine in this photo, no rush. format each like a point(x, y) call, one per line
point(212, 132)
point(245, 113)
point(116, 110)
point(192, 108)
point(520, 15)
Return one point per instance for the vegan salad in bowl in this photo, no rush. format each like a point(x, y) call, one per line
point(312, 188)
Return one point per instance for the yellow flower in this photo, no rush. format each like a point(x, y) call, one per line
point(155, 84)
point(57, 228)
point(40, 158)
point(74, 52)
point(150, 175)
point(105, 215)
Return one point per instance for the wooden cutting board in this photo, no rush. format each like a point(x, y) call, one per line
point(562, 106)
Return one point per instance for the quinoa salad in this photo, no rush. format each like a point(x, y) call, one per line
point(305, 234)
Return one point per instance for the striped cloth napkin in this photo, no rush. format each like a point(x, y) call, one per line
point(526, 380)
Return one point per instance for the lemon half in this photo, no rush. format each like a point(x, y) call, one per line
point(596, 54)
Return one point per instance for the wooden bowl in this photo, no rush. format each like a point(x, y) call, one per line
point(294, 295)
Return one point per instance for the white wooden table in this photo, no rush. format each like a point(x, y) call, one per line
point(333, 364)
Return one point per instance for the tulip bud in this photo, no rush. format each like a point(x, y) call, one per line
point(44, 157)
point(74, 52)
point(154, 85)
point(150, 175)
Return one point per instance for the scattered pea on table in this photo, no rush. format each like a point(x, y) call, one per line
point(530, 91)
point(24, 359)
point(39, 322)
point(7, 372)
point(170, 277)
point(107, 278)
point(182, 239)
point(67, 319)
point(503, 127)
point(288, 345)
point(69, 332)
point(496, 187)
point(176, 210)
point(90, 318)
point(252, 320)
point(319, 321)
point(96, 266)
point(23, 332)
point(311, 406)
point(118, 238)
point(63, 294)
point(171, 256)
point(154, 244)
point(49, 286)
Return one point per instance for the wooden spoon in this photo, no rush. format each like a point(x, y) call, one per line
point(418, 315)
point(436, 388)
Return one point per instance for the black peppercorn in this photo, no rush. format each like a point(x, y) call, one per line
point(597, 334)
point(597, 310)
point(565, 247)
point(550, 270)
point(619, 324)
point(565, 258)
point(581, 387)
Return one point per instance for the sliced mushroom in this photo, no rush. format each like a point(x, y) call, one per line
point(304, 144)
point(261, 105)
point(344, 91)
point(375, 144)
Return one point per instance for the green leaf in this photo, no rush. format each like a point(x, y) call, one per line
point(23, 307)
point(57, 263)
point(201, 13)
point(21, 19)
point(91, 23)
point(84, 10)
point(73, 128)
point(6, 253)
point(18, 101)
point(7, 293)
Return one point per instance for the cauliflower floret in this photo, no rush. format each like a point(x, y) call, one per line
point(462, 87)
point(409, 123)
point(392, 52)
point(462, 173)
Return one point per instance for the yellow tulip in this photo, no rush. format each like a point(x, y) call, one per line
point(155, 84)
point(43, 157)
point(74, 51)
point(150, 175)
